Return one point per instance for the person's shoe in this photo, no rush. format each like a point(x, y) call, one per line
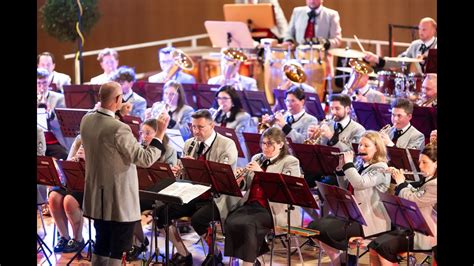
point(180, 260)
point(73, 246)
point(62, 242)
point(135, 252)
point(257, 263)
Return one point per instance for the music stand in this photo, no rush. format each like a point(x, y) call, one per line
point(252, 141)
point(399, 159)
point(312, 104)
point(260, 18)
point(134, 123)
point(343, 205)
point(424, 119)
point(258, 103)
point(148, 177)
point(190, 94)
point(290, 190)
point(309, 159)
point(42, 119)
point(406, 214)
point(81, 96)
point(244, 102)
point(151, 92)
point(46, 171)
point(233, 34)
point(222, 180)
point(383, 114)
point(432, 61)
point(205, 95)
point(366, 115)
point(70, 120)
point(231, 134)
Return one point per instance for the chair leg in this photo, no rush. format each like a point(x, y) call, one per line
point(42, 220)
point(299, 250)
point(320, 255)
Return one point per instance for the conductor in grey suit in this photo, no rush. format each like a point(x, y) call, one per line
point(417, 49)
point(111, 183)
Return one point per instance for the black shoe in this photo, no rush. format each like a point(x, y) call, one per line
point(208, 261)
point(135, 252)
point(73, 246)
point(62, 242)
point(180, 260)
point(257, 263)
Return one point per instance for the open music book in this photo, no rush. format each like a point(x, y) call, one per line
point(184, 190)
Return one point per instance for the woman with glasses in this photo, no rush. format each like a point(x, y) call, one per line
point(247, 226)
point(174, 101)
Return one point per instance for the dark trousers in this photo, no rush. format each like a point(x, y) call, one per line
point(113, 238)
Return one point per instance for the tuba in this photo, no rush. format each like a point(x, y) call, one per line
point(181, 61)
point(233, 58)
point(359, 70)
point(294, 74)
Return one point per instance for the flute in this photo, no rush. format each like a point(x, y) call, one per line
point(342, 153)
point(388, 171)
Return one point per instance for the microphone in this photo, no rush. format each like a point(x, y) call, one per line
point(342, 153)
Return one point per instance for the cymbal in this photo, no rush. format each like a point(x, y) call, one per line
point(349, 53)
point(349, 70)
point(403, 59)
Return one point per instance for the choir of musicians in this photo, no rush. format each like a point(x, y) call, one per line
point(111, 152)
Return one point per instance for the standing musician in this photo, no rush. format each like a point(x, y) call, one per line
point(247, 226)
point(363, 179)
point(386, 249)
point(295, 122)
point(206, 145)
point(403, 134)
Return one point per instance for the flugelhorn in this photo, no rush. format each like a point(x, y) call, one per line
point(181, 61)
point(316, 136)
point(359, 70)
point(263, 126)
point(294, 75)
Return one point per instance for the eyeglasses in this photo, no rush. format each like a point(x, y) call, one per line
point(146, 133)
point(223, 98)
point(268, 144)
point(198, 127)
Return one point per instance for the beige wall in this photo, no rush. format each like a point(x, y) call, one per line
point(125, 22)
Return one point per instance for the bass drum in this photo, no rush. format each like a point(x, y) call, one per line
point(314, 62)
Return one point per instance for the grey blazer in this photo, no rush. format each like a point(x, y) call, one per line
point(181, 77)
point(327, 25)
point(350, 134)
point(223, 150)
point(299, 128)
point(40, 142)
point(170, 156)
point(182, 118)
point(138, 105)
point(245, 83)
point(411, 139)
point(366, 186)
point(425, 197)
point(111, 185)
point(289, 165)
point(60, 80)
point(412, 52)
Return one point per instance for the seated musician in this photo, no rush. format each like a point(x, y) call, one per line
point(175, 101)
point(247, 226)
point(295, 121)
point(230, 74)
point(108, 59)
point(125, 76)
point(363, 179)
point(417, 49)
point(166, 62)
point(429, 91)
point(359, 89)
point(403, 134)
point(387, 248)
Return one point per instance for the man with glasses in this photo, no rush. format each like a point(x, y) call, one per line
point(208, 145)
point(403, 134)
point(166, 62)
point(125, 76)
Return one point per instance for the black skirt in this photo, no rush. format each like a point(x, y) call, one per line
point(391, 244)
point(79, 196)
point(246, 228)
point(332, 231)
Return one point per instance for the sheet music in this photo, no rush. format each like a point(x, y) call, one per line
point(185, 191)
point(42, 118)
point(176, 139)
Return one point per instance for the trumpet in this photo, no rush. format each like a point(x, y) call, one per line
point(246, 171)
point(385, 129)
point(263, 126)
point(317, 135)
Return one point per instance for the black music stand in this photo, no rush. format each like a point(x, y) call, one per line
point(309, 159)
point(222, 180)
point(290, 190)
point(148, 177)
point(70, 120)
point(383, 113)
point(424, 119)
point(74, 175)
point(81, 96)
point(366, 115)
point(205, 95)
point(252, 141)
point(398, 158)
point(233, 34)
point(312, 104)
point(244, 102)
point(231, 134)
point(151, 92)
point(190, 94)
point(134, 123)
point(343, 205)
point(406, 214)
point(432, 61)
point(258, 103)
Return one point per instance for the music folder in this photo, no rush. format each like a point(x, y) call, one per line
point(234, 34)
point(252, 141)
point(316, 159)
point(257, 103)
point(134, 123)
point(312, 104)
point(205, 95)
point(185, 191)
point(46, 171)
point(148, 177)
point(398, 158)
point(366, 115)
point(230, 133)
point(70, 120)
point(151, 92)
point(74, 174)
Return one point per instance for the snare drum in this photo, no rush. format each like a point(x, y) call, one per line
point(386, 82)
point(415, 80)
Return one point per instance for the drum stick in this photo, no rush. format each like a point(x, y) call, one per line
point(358, 42)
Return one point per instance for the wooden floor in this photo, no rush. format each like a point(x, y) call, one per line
point(309, 253)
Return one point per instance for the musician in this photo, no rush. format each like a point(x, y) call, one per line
point(361, 90)
point(429, 91)
point(230, 75)
point(281, 26)
point(363, 178)
point(180, 112)
point(166, 62)
point(295, 121)
point(434, 137)
point(56, 144)
point(108, 59)
point(56, 79)
point(386, 249)
point(314, 21)
point(206, 145)
point(125, 76)
point(247, 225)
point(111, 184)
point(417, 49)
point(403, 134)
point(66, 206)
